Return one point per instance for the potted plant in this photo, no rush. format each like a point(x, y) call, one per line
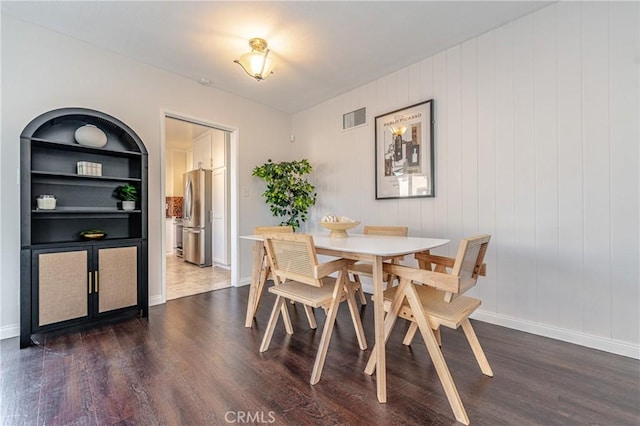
point(288, 193)
point(128, 194)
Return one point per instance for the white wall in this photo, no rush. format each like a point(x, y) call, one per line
point(537, 135)
point(43, 70)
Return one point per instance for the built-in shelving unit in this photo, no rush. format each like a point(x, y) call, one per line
point(49, 159)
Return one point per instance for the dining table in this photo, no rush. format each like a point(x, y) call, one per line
point(374, 249)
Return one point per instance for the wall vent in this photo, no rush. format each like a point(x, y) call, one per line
point(354, 118)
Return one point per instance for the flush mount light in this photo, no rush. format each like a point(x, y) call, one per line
point(258, 63)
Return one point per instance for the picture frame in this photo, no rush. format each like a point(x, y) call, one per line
point(404, 152)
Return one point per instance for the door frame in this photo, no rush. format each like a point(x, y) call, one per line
point(233, 190)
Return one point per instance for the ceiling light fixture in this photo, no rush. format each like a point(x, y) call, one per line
point(258, 63)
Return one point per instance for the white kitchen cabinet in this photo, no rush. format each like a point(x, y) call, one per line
point(202, 158)
point(220, 216)
point(218, 149)
point(170, 236)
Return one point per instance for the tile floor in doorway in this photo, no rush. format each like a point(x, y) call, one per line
point(186, 279)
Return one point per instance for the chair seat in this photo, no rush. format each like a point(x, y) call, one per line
point(303, 293)
point(450, 314)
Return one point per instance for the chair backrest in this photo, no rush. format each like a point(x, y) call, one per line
point(465, 268)
point(294, 257)
point(469, 260)
point(263, 230)
point(396, 231)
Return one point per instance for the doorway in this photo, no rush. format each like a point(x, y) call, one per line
point(191, 144)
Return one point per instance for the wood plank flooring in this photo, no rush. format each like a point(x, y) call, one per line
point(193, 363)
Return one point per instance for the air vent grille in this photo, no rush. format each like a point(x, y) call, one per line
point(354, 118)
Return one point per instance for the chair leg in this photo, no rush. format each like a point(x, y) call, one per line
point(436, 357)
point(411, 332)
point(476, 348)
point(310, 316)
point(408, 338)
point(357, 322)
point(389, 322)
point(359, 290)
point(273, 319)
point(327, 330)
point(286, 318)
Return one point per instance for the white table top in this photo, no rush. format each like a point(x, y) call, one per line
point(377, 245)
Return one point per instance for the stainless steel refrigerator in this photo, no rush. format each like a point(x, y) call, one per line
point(197, 218)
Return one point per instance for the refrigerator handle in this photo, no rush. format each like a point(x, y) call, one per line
point(187, 199)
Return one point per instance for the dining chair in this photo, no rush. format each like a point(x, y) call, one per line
point(299, 277)
point(431, 299)
point(364, 268)
point(260, 256)
point(474, 249)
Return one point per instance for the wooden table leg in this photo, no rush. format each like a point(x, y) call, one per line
point(378, 318)
point(254, 287)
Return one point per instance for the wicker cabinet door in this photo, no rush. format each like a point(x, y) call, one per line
point(117, 278)
point(62, 279)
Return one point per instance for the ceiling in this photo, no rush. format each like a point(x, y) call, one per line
point(323, 48)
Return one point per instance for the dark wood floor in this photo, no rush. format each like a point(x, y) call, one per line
point(193, 363)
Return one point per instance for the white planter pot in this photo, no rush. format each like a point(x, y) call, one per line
point(90, 135)
point(128, 205)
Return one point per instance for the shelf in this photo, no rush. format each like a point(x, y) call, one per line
point(83, 211)
point(77, 176)
point(50, 144)
point(79, 242)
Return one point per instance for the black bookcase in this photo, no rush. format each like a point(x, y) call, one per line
point(67, 280)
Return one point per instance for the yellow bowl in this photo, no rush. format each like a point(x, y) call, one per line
point(339, 229)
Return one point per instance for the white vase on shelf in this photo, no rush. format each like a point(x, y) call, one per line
point(90, 135)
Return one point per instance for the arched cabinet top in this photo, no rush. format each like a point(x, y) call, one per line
point(59, 126)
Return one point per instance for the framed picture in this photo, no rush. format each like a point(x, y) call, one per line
point(404, 153)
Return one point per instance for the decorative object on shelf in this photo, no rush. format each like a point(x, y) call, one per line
point(338, 225)
point(404, 164)
point(88, 168)
point(128, 194)
point(288, 193)
point(46, 202)
point(93, 234)
point(90, 135)
point(258, 63)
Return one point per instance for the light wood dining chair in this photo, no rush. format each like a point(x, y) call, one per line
point(299, 277)
point(262, 268)
point(431, 299)
point(365, 269)
point(471, 251)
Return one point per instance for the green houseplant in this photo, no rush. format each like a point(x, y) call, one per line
point(128, 194)
point(288, 192)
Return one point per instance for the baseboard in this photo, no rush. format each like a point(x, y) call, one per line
point(244, 281)
point(608, 345)
point(9, 331)
point(590, 341)
point(156, 300)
